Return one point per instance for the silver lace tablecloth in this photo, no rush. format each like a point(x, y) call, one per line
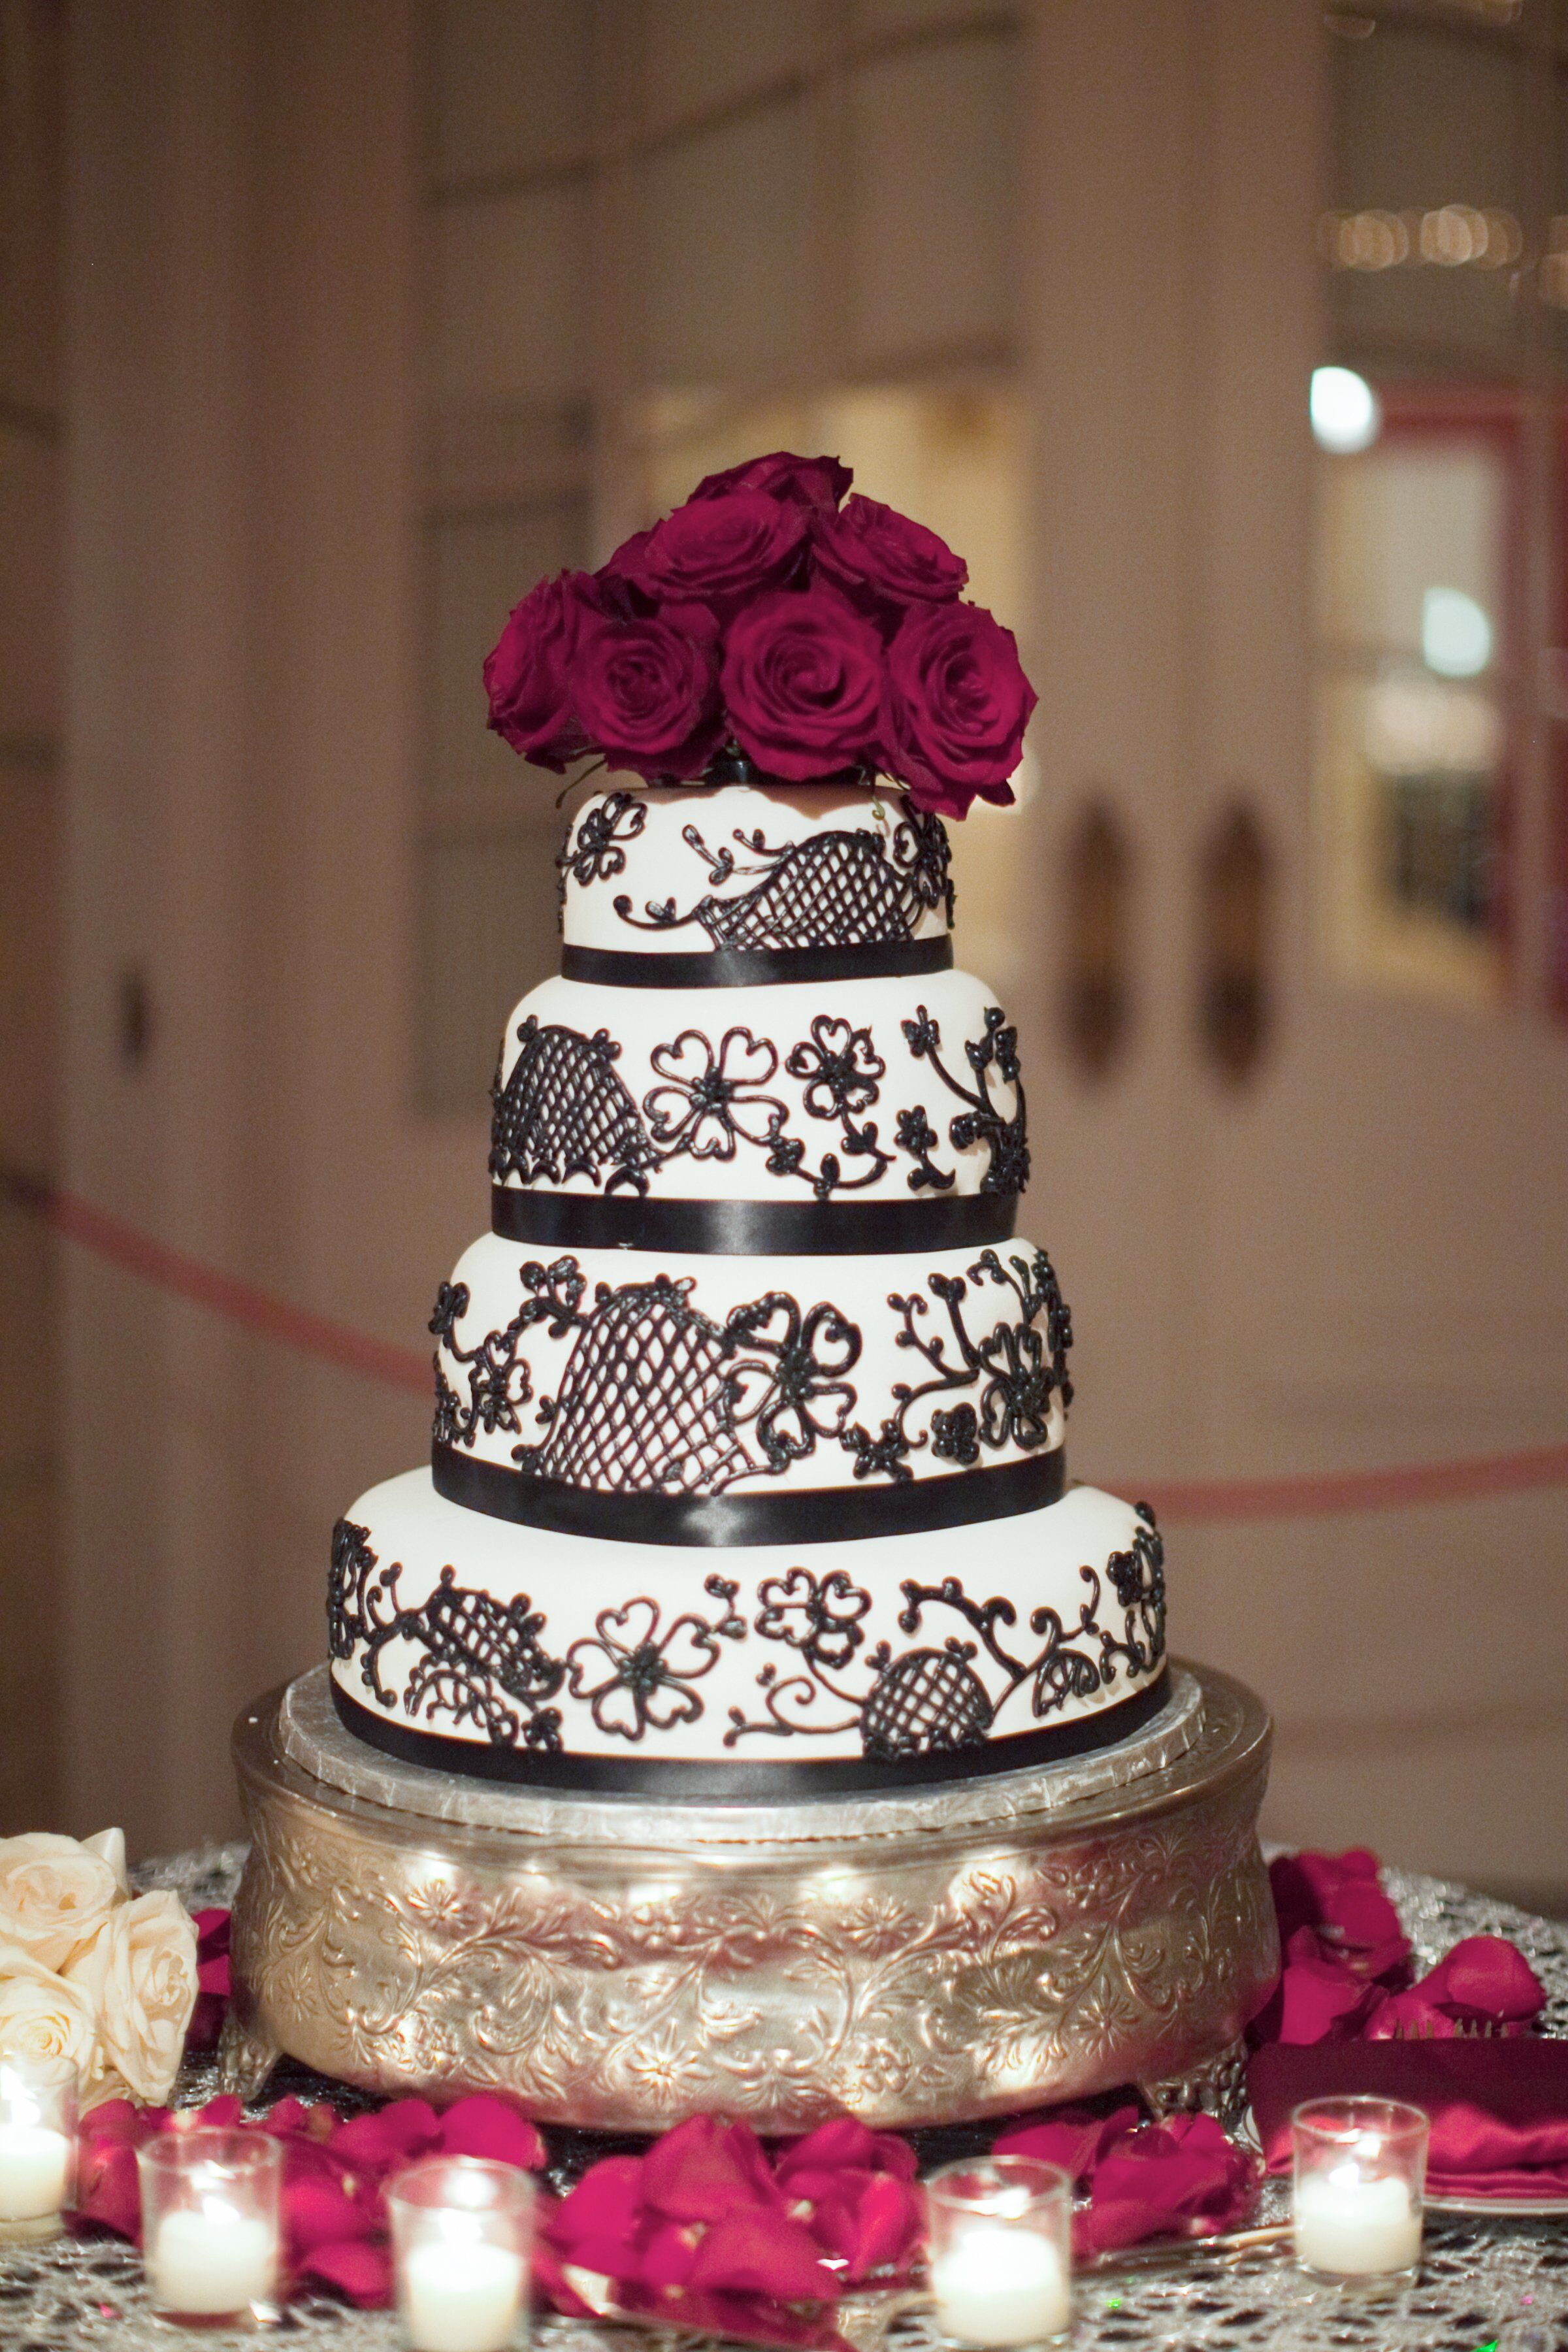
point(1491, 2285)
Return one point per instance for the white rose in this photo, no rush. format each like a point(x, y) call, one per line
point(55, 1893)
point(42, 2016)
point(139, 1974)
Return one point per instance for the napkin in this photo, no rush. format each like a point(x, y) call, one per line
point(1499, 2109)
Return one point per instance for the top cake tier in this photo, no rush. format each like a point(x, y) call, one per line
point(753, 882)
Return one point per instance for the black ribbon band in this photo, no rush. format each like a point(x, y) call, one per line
point(756, 967)
point(747, 1782)
point(752, 1228)
point(809, 1515)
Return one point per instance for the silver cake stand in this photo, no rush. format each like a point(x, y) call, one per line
point(618, 1963)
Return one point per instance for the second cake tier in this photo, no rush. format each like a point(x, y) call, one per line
point(670, 1399)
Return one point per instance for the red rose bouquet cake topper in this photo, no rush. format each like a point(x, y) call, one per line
point(772, 620)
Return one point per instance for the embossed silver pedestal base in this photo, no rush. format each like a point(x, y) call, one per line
point(618, 1963)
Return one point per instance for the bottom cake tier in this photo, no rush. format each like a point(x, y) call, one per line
point(524, 1654)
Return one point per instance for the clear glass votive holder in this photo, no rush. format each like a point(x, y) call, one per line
point(1360, 2179)
point(38, 2145)
point(462, 2228)
point(1000, 2250)
point(211, 2234)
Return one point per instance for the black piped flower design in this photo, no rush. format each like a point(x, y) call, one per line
point(818, 1617)
point(841, 1067)
point(804, 1393)
point(633, 1675)
point(711, 1097)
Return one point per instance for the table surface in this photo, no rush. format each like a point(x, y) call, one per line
point(1484, 2284)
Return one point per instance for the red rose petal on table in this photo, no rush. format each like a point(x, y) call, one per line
point(762, 2253)
point(1319, 1997)
point(1073, 2139)
point(877, 2226)
point(552, 2285)
point(703, 2168)
point(357, 2268)
point(847, 2140)
point(320, 2208)
point(606, 2204)
point(1484, 1980)
point(489, 2126)
point(1490, 1975)
point(212, 1929)
point(1185, 2177)
point(390, 2138)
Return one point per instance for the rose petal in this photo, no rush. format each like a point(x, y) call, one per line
point(703, 2168)
point(1073, 2139)
point(847, 2140)
point(606, 2204)
point(762, 2253)
point(877, 2229)
point(393, 2136)
point(489, 2126)
point(1488, 1974)
point(212, 1929)
point(357, 2268)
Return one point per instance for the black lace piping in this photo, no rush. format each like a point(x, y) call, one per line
point(564, 1109)
point(935, 1699)
point(840, 888)
point(739, 1780)
point(483, 1661)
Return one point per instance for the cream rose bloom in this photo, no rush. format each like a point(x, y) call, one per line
point(42, 2016)
point(55, 1893)
point(139, 1976)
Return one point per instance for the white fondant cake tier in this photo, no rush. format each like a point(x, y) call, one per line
point(760, 868)
point(622, 1371)
point(532, 1654)
point(841, 1092)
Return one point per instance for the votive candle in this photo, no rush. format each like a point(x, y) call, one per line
point(38, 2144)
point(1000, 2250)
point(1360, 2178)
point(461, 2232)
point(210, 2222)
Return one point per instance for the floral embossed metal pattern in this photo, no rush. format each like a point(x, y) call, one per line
point(622, 1985)
point(1502, 2281)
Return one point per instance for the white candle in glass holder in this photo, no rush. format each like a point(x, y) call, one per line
point(460, 2294)
point(998, 2284)
point(38, 2144)
point(35, 2172)
point(1355, 2226)
point(209, 2258)
point(461, 2229)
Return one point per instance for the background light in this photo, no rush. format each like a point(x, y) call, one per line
point(1456, 635)
point(1346, 411)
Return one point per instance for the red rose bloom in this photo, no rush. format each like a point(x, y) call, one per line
point(880, 558)
point(717, 551)
point(815, 482)
point(645, 694)
point(802, 682)
point(956, 707)
point(528, 677)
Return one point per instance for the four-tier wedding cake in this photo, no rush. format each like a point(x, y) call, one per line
point(748, 1472)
